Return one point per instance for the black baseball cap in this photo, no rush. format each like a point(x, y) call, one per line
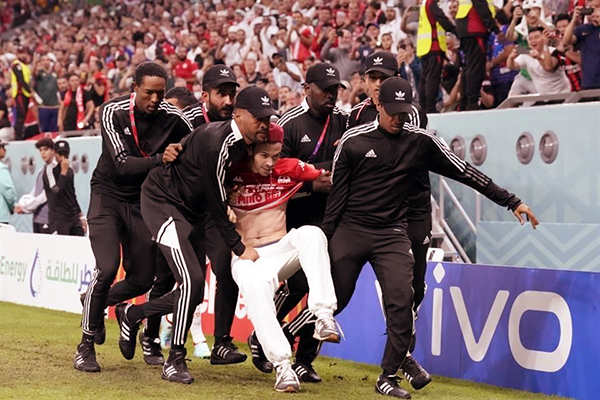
point(383, 62)
point(256, 100)
point(218, 75)
point(395, 95)
point(324, 75)
point(62, 146)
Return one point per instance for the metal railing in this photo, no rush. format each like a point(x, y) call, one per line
point(445, 190)
point(566, 97)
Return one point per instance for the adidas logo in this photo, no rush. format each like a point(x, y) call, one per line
point(224, 72)
point(265, 101)
point(427, 240)
point(400, 95)
point(305, 139)
point(127, 131)
point(371, 154)
point(330, 71)
point(378, 61)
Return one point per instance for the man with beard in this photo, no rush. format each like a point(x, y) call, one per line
point(340, 55)
point(219, 86)
point(174, 202)
point(136, 133)
point(312, 130)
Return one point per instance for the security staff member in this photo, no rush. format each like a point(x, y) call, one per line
point(366, 214)
point(474, 22)
point(64, 214)
point(175, 199)
point(136, 132)
point(311, 132)
point(20, 81)
point(381, 66)
point(431, 48)
point(219, 86)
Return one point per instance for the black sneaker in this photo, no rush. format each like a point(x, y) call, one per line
point(100, 335)
point(151, 349)
point(258, 356)
point(306, 372)
point(414, 373)
point(225, 352)
point(128, 331)
point(85, 358)
point(388, 386)
point(175, 369)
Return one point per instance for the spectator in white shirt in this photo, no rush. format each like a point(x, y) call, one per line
point(286, 74)
point(545, 72)
point(392, 25)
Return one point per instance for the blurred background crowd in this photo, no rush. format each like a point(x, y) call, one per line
point(59, 61)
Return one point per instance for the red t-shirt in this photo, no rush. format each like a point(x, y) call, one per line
point(266, 192)
point(186, 69)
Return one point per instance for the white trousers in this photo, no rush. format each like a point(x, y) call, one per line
point(305, 248)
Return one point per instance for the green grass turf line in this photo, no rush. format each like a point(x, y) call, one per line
point(36, 362)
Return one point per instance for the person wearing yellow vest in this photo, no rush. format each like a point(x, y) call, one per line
point(20, 78)
point(474, 22)
point(431, 48)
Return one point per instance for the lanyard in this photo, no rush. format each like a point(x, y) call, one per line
point(133, 127)
point(318, 146)
point(204, 114)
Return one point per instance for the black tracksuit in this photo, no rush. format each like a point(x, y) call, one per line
point(217, 251)
point(419, 198)
point(366, 216)
point(175, 198)
point(114, 216)
point(63, 209)
point(302, 130)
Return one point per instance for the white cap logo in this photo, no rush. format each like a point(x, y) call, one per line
point(224, 72)
point(378, 61)
point(330, 71)
point(265, 101)
point(400, 95)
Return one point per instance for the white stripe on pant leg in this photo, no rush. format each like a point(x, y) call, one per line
point(184, 298)
point(85, 323)
point(306, 317)
point(281, 296)
point(299, 322)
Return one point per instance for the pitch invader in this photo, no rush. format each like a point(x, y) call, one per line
point(269, 182)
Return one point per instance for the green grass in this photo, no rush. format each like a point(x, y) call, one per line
point(36, 362)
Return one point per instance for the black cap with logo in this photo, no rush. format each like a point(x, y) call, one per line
point(324, 75)
point(395, 95)
point(256, 101)
point(383, 62)
point(62, 146)
point(218, 75)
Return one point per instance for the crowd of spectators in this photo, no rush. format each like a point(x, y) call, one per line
point(72, 60)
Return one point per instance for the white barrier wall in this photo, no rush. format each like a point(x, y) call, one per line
point(47, 271)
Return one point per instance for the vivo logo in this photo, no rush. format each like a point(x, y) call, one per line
point(530, 300)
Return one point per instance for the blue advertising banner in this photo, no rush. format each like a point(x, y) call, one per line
point(529, 329)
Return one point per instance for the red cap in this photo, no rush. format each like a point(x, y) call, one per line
point(275, 133)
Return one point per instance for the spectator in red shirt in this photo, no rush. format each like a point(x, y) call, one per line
point(185, 68)
point(569, 59)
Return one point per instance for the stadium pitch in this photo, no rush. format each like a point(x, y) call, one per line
point(36, 362)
